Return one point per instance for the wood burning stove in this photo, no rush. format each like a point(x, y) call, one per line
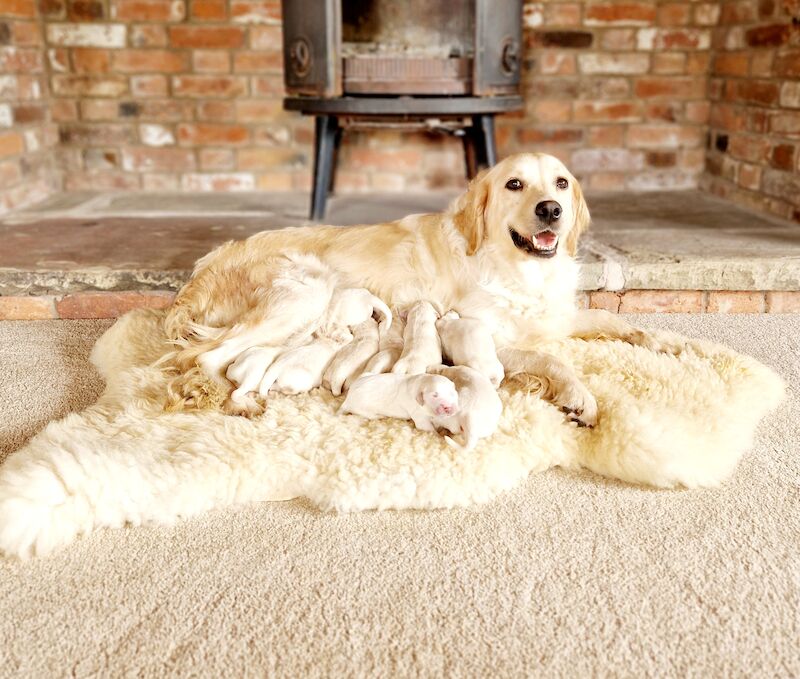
point(445, 65)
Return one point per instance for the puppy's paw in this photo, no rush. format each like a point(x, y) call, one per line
point(578, 404)
point(246, 406)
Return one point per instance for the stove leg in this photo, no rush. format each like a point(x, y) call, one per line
point(479, 144)
point(326, 129)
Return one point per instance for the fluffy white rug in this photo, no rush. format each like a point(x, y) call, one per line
point(664, 421)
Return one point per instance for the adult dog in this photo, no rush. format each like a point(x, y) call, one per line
point(502, 253)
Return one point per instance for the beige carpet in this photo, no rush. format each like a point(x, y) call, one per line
point(569, 575)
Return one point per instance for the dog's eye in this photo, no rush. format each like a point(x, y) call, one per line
point(514, 185)
point(562, 183)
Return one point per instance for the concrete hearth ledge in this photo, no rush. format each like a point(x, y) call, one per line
point(678, 241)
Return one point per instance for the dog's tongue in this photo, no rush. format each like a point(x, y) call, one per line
point(546, 239)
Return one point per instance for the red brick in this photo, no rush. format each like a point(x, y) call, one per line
point(209, 86)
point(11, 144)
point(85, 10)
point(386, 159)
point(10, 173)
point(26, 34)
point(157, 159)
point(206, 37)
point(552, 111)
point(607, 135)
point(149, 35)
point(562, 14)
point(257, 62)
point(20, 60)
point(674, 14)
point(749, 176)
point(737, 13)
point(773, 35)
point(211, 61)
point(27, 308)
point(659, 301)
point(556, 62)
point(732, 63)
point(754, 149)
point(109, 304)
point(149, 86)
point(787, 123)
point(216, 110)
point(256, 11)
point(153, 10)
point(621, 13)
point(735, 302)
point(669, 63)
point(782, 157)
point(87, 60)
point(602, 299)
point(266, 38)
point(25, 9)
point(231, 181)
point(787, 64)
point(217, 159)
point(258, 110)
point(681, 88)
point(209, 10)
point(758, 92)
point(268, 158)
point(783, 302)
point(149, 60)
point(612, 111)
point(207, 133)
point(565, 135)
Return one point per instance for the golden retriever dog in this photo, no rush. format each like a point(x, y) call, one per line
point(503, 253)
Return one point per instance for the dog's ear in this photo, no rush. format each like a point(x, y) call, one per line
point(421, 397)
point(582, 218)
point(469, 209)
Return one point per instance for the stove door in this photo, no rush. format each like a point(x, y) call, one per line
point(498, 47)
point(312, 36)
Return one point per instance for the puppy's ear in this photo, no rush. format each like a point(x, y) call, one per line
point(469, 209)
point(582, 218)
point(421, 397)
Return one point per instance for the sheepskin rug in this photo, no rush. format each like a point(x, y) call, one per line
point(665, 421)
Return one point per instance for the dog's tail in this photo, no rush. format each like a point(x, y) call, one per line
point(385, 313)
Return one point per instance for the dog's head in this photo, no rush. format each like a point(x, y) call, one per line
point(528, 205)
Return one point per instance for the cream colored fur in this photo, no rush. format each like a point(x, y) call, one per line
point(663, 420)
point(464, 259)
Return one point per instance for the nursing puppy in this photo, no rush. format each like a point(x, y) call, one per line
point(300, 369)
point(466, 341)
point(421, 344)
point(350, 307)
point(479, 406)
point(420, 398)
point(502, 253)
point(389, 349)
point(247, 371)
point(351, 359)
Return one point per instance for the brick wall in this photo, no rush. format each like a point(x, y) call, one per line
point(617, 90)
point(27, 137)
point(754, 154)
point(186, 94)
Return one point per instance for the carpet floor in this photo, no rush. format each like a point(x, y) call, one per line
point(568, 575)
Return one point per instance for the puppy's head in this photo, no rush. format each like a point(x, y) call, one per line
point(528, 205)
point(438, 395)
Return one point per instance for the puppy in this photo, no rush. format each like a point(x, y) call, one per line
point(479, 406)
point(420, 398)
point(389, 349)
point(300, 369)
point(351, 359)
point(421, 344)
point(350, 307)
point(247, 371)
point(467, 341)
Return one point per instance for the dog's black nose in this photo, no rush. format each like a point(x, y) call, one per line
point(548, 211)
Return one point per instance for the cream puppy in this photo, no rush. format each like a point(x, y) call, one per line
point(389, 349)
point(350, 307)
point(467, 341)
point(300, 369)
point(247, 371)
point(420, 398)
point(351, 359)
point(479, 406)
point(421, 344)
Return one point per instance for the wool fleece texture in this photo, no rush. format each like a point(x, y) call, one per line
point(664, 421)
